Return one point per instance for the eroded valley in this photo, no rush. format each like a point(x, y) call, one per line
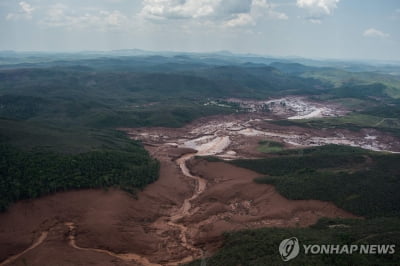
point(182, 216)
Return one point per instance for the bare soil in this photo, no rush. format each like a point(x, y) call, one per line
point(111, 220)
point(113, 228)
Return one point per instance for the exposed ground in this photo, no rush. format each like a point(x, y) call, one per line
point(113, 228)
point(290, 107)
point(181, 216)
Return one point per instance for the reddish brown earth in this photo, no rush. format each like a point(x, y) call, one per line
point(178, 218)
point(97, 227)
point(233, 201)
point(112, 220)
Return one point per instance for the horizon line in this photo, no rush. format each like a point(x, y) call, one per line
point(227, 53)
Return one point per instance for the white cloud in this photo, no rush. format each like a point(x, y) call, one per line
point(318, 6)
point(240, 20)
point(200, 13)
point(60, 15)
point(318, 9)
point(230, 13)
point(26, 7)
point(25, 12)
point(374, 33)
point(261, 8)
point(175, 9)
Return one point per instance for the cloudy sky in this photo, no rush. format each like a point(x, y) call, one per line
point(345, 29)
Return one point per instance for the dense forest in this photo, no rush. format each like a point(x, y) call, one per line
point(37, 159)
point(30, 174)
point(69, 96)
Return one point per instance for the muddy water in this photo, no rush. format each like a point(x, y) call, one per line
point(182, 212)
point(38, 241)
point(185, 210)
point(170, 221)
point(126, 257)
point(200, 187)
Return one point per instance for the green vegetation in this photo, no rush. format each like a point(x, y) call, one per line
point(362, 182)
point(268, 146)
point(30, 174)
point(115, 96)
point(330, 156)
point(137, 91)
point(260, 246)
point(377, 83)
point(26, 136)
point(352, 104)
point(36, 160)
point(360, 91)
point(389, 110)
point(168, 114)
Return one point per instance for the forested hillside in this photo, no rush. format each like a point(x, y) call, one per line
point(25, 175)
point(36, 160)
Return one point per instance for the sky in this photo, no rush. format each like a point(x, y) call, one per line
point(341, 29)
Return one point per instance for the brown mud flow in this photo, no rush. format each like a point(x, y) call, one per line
point(180, 217)
point(225, 199)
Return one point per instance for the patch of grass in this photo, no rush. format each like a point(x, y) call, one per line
point(291, 161)
point(210, 158)
point(359, 120)
point(353, 121)
point(268, 146)
point(352, 103)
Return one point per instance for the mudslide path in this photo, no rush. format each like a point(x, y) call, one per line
point(185, 210)
point(38, 241)
point(201, 185)
point(126, 257)
point(170, 221)
point(173, 221)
